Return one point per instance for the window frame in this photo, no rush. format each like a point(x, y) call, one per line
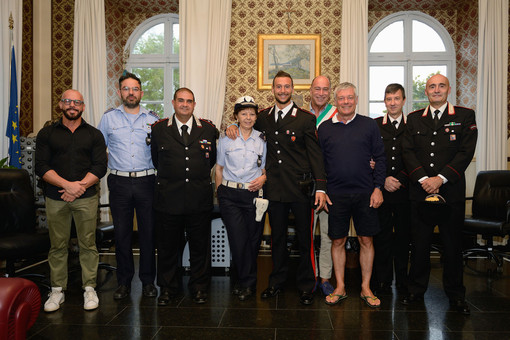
point(168, 61)
point(408, 59)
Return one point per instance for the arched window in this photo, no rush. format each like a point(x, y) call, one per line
point(406, 48)
point(153, 50)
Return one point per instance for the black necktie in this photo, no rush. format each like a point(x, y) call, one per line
point(185, 134)
point(279, 120)
point(394, 124)
point(436, 118)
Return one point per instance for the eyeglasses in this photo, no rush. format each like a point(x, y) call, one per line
point(126, 89)
point(75, 101)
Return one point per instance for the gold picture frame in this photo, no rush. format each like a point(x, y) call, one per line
point(297, 54)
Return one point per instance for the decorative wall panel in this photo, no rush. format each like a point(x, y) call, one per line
point(26, 109)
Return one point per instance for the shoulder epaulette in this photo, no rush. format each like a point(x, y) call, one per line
point(158, 121)
point(267, 108)
point(110, 109)
point(154, 114)
point(410, 113)
point(207, 121)
point(462, 107)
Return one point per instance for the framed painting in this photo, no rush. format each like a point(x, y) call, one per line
point(297, 54)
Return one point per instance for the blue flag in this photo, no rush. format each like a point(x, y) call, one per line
point(13, 120)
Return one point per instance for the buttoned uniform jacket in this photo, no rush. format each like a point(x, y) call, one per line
point(183, 182)
point(392, 140)
point(446, 150)
point(293, 152)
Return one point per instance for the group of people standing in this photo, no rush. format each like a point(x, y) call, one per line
point(331, 165)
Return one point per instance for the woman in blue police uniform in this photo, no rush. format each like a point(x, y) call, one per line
point(240, 176)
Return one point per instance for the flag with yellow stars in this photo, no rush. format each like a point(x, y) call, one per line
point(13, 120)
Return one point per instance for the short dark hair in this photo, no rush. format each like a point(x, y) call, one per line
point(283, 74)
point(128, 75)
point(183, 89)
point(393, 88)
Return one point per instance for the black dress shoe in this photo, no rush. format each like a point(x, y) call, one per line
point(412, 298)
point(237, 290)
point(460, 306)
point(270, 292)
point(149, 290)
point(121, 292)
point(164, 297)
point(246, 293)
point(200, 297)
point(306, 298)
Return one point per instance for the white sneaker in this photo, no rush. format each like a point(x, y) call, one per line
point(55, 299)
point(90, 299)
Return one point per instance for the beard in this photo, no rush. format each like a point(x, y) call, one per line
point(132, 104)
point(283, 102)
point(69, 116)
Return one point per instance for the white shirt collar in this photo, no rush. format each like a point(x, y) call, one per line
point(285, 110)
point(189, 123)
point(335, 119)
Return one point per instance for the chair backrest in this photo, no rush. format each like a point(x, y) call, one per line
point(491, 193)
point(17, 206)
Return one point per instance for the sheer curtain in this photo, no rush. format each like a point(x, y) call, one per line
point(204, 35)
point(89, 57)
point(8, 7)
point(354, 49)
point(492, 111)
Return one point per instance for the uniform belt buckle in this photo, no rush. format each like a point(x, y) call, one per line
point(132, 174)
point(240, 185)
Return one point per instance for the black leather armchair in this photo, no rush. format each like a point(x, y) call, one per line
point(491, 214)
point(19, 237)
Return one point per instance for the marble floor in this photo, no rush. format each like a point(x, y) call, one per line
point(283, 317)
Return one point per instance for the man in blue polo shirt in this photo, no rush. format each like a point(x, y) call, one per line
point(126, 131)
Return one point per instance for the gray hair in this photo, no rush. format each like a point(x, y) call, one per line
point(344, 86)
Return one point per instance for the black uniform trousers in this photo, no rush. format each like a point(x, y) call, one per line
point(279, 221)
point(128, 194)
point(392, 244)
point(450, 219)
point(169, 240)
point(244, 233)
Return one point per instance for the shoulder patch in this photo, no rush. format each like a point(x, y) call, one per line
point(159, 121)
point(262, 136)
point(207, 121)
point(154, 114)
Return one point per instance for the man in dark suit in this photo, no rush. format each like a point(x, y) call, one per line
point(183, 151)
point(439, 143)
point(294, 164)
point(392, 242)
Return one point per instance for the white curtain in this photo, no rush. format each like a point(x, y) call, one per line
point(8, 7)
point(89, 57)
point(354, 49)
point(204, 36)
point(89, 66)
point(492, 119)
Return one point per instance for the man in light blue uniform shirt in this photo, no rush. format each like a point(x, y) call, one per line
point(126, 131)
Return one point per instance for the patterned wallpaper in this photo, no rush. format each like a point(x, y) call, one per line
point(26, 109)
point(62, 30)
point(253, 17)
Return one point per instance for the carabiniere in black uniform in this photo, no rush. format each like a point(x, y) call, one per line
point(392, 248)
point(430, 151)
point(294, 160)
point(183, 200)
